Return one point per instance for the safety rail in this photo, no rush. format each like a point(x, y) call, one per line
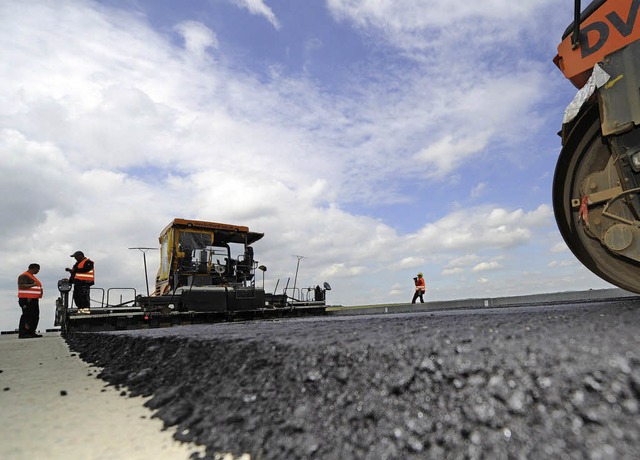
point(122, 303)
point(107, 293)
point(307, 294)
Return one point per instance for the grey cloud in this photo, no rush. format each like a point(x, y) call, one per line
point(33, 180)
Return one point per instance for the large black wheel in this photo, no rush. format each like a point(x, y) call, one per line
point(583, 154)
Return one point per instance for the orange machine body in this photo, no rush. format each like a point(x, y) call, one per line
point(613, 25)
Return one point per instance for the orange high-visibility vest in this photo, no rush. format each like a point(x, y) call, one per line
point(34, 292)
point(420, 286)
point(84, 276)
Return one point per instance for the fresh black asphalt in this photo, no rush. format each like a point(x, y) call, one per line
point(511, 383)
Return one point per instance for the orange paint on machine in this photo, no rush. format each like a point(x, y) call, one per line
point(605, 26)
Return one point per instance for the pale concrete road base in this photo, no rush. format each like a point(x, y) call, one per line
point(52, 406)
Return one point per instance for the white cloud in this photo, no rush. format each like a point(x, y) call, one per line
point(407, 14)
point(197, 37)
point(411, 24)
point(559, 247)
point(478, 190)
point(410, 262)
point(483, 266)
point(458, 265)
point(342, 270)
point(447, 153)
point(561, 263)
point(259, 8)
point(397, 290)
point(464, 261)
point(470, 98)
point(482, 227)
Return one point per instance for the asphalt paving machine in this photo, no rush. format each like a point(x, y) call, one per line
point(207, 273)
point(596, 185)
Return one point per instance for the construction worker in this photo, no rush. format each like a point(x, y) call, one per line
point(29, 292)
point(82, 277)
point(420, 288)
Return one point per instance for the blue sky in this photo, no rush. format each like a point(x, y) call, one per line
point(376, 138)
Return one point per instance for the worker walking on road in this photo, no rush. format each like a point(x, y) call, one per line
point(82, 277)
point(420, 288)
point(29, 292)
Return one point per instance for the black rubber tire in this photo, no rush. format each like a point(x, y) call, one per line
point(585, 152)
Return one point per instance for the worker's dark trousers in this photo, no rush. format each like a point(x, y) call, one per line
point(81, 295)
point(30, 316)
point(416, 295)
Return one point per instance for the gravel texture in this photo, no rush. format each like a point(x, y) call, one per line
point(546, 382)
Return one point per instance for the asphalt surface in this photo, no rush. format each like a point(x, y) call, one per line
point(545, 382)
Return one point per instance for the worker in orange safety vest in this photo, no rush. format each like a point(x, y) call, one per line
point(82, 277)
point(421, 288)
point(29, 293)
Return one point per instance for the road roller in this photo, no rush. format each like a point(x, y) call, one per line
point(596, 185)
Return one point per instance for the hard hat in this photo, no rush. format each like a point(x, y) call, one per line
point(420, 274)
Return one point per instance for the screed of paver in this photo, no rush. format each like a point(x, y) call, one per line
point(53, 406)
